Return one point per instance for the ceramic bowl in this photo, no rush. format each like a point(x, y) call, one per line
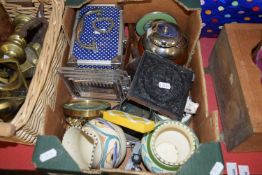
point(81, 146)
point(168, 147)
point(113, 143)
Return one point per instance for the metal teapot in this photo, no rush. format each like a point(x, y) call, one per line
point(165, 39)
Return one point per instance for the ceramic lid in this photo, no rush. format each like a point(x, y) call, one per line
point(167, 35)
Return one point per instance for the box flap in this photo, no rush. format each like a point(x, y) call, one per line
point(45, 159)
point(203, 160)
point(75, 3)
point(187, 4)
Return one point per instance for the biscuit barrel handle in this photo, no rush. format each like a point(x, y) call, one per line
point(7, 129)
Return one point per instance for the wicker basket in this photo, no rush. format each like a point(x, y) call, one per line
point(29, 120)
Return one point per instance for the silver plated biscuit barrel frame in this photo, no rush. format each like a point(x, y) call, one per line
point(96, 83)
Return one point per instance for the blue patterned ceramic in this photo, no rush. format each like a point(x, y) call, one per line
point(168, 147)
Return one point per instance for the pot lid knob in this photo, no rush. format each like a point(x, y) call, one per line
point(164, 34)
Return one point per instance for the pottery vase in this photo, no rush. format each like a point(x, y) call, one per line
point(168, 147)
point(111, 148)
point(80, 146)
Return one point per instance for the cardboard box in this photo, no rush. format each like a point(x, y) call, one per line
point(238, 87)
point(204, 123)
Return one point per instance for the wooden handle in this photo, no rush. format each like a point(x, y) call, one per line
point(7, 129)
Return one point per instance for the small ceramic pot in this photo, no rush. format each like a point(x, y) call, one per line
point(81, 146)
point(112, 149)
point(168, 147)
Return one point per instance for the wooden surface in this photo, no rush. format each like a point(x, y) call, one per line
point(251, 159)
point(237, 85)
point(243, 38)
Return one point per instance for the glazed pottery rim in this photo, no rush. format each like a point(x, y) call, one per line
point(180, 128)
point(153, 157)
point(151, 16)
point(150, 155)
point(86, 129)
point(82, 134)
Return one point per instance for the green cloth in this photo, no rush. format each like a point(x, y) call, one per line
point(61, 163)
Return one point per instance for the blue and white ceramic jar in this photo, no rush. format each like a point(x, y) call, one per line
point(111, 149)
point(168, 147)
